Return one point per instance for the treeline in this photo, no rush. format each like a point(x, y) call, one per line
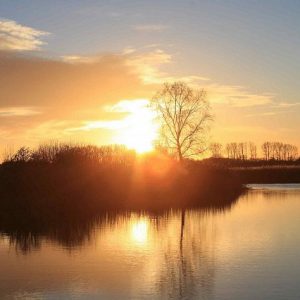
point(56, 153)
point(62, 182)
point(279, 151)
point(249, 151)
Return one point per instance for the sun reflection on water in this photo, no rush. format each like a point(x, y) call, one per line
point(139, 231)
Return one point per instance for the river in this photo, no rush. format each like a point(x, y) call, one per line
point(249, 250)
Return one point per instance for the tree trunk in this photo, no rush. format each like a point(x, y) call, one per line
point(180, 157)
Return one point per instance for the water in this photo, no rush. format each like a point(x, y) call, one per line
point(247, 251)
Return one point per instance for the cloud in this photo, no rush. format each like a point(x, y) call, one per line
point(17, 37)
point(237, 96)
point(79, 59)
point(147, 65)
point(129, 50)
point(42, 98)
point(18, 111)
point(129, 106)
point(193, 81)
point(148, 61)
point(150, 27)
point(27, 81)
point(287, 104)
point(91, 125)
point(266, 114)
point(69, 97)
point(125, 107)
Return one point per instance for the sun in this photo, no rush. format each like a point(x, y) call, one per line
point(139, 129)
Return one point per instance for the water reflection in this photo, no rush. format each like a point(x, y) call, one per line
point(69, 236)
point(214, 253)
point(189, 264)
point(168, 254)
point(139, 231)
point(75, 234)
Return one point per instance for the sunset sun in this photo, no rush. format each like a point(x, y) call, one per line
point(138, 130)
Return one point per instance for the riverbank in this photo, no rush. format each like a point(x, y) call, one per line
point(63, 183)
point(276, 174)
point(77, 186)
point(259, 171)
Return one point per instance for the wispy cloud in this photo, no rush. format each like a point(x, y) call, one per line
point(127, 107)
point(150, 27)
point(265, 114)
point(17, 37)
point(84, 86)
point(147, 64)
point(79, 59)
point(91, 125)
point(237, 96)
point(18, 111)
point(194, 81)
point(41, 82)
point(128, 50)
point(287, 104)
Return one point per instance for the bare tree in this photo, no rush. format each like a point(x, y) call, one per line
point(185, 116)
point(216, 149)
point(252, 150)
point(232, 150)
point(292, 152)
point(277, 148)
point(266, 149)
point(279, 151)
point(228, 150)
point(242, 151)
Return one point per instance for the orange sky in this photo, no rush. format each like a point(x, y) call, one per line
point(57, 85)
point(46, 99)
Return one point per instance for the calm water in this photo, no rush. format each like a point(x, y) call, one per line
point(248, 251)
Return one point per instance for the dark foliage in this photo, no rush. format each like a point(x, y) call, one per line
point(65, 183)
point(259, 171)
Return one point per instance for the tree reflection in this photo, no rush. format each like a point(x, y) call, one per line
point(189, 264)
point(78, 233)
point(168, 254)
point(69, 235)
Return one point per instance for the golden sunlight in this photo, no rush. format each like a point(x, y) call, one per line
point(139, 231)
point(139, 129)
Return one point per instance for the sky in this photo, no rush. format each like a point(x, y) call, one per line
point(68, 67)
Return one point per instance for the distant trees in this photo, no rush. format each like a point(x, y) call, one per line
point(266, 149)
point(242, 151)
point(252, 150)
point(237, 150)
point(185, 117)
point(279, 151)
point(231, 150)
point(248, 150)
point(216, 149)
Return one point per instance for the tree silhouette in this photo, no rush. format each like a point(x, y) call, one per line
point(185, 116)
point(216, 149)
point(253, 150)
